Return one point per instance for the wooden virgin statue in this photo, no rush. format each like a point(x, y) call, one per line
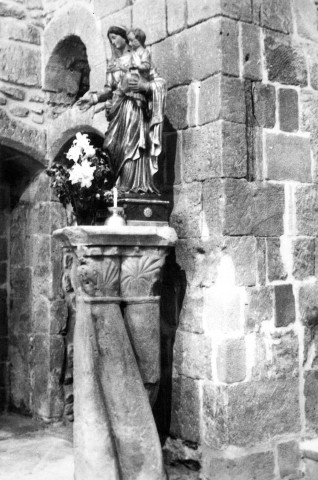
point(135, 102)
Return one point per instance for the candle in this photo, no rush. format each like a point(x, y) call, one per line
point(115, 194)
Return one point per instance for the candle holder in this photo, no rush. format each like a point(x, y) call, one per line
point(116, 218)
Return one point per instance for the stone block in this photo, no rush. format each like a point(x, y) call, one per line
point(214, 416)
point(176, 15)
point(41, 314)
point(306, 203)
point(186, 409)
point(275, 267)
point(242, 250)
point(264, 103)
point(11, 11)
point(20, 317)
point(185, 217)
point(303, 250)
point(193, 355)
point(214, 150)
point(261, 260)
point(177, 107)
point(19, 111)
point(103, 8)
point(21, 65)
point(20, 389)
point(285, 355)
point(312, 57)
point(3, 99)
point(240, 10)
point(253, 466)
point(194, 258)
point(284, 305)
point(221, 97)
point(288, 157)
point(41, 249)
point(21, 282)
point(285, 62)
point(258, 411)
point(208, 48)
point(234, 150)
point(154, 23)
point(253, 208)
point(223, 309)
point(212, 194)
point(288, 109)
point(231, 360)
point(311, 392)
point(232, 99)
point(34, 4)
point(251, 52)
point(308, 303)
point(191, 315)
point(175, 450)
point(273, 15)
point(288, 458)
point(31, 140)
point(38, 191)
point(201, 152)
point(259, 307)
point(13, 92)
point(46, 362)
point(23, 32)
point(43, 281)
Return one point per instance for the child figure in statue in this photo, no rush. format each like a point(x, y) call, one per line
point(139, 66)
point(140, 55)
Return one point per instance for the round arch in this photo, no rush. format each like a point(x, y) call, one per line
point(77, 20)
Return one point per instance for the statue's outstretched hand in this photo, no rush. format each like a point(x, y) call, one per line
point(85, 102)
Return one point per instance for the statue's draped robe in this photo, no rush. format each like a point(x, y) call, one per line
point(133, 138)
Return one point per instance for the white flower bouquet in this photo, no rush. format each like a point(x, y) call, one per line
point(82, 179)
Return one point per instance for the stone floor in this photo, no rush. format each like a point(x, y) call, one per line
point(31, 450)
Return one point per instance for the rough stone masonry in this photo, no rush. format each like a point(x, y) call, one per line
point(240, 313)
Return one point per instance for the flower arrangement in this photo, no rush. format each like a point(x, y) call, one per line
point(82, 179)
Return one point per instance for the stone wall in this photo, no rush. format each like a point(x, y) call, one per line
point(4, 207)
point(243, 102)
point(241, 151)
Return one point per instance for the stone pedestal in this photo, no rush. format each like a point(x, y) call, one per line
point(116, 275)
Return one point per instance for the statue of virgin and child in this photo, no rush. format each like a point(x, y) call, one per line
point(134, 97)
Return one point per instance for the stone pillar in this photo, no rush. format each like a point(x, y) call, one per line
point(115, 354)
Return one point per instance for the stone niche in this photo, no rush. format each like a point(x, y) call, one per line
point(16, 173)
point(66, 75)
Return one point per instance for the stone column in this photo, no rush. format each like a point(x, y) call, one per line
point(140, 291)
point(115, 436)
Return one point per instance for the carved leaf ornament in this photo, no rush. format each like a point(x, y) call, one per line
point(139, 274)
point(99, 279)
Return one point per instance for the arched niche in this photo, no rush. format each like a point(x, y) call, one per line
point(18, 170)
point(77, 20)
point(65, 140)
point(70, 22)
point(66, 74)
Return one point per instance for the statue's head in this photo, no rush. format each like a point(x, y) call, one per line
point(117, 35)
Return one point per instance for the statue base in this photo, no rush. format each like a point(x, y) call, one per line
point(140, 209)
